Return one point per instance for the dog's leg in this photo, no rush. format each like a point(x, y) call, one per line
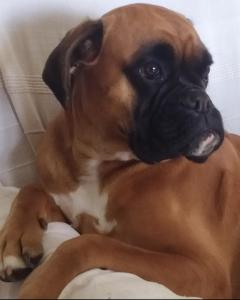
point(179, 273)
point(21, 236)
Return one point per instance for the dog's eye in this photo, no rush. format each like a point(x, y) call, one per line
point(151, 71)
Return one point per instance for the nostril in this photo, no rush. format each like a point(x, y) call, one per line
point(191, 103)
point(208, 104)
point(205, 104)
point(197, 103)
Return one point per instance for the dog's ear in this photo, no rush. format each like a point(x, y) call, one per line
point(79, 47)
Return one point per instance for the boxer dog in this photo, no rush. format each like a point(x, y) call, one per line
point(129, 163)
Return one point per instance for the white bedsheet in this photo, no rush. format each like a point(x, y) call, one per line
point(94, 284)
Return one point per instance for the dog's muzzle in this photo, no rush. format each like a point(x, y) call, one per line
point(184, 123)
point(208, 140)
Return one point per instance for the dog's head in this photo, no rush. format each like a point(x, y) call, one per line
point(139, 75)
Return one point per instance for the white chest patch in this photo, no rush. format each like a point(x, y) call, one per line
point(87, 199)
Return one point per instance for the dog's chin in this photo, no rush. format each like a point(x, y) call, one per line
point(203, 146)
point(198, 150)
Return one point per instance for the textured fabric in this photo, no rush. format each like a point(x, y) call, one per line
point(16, 155)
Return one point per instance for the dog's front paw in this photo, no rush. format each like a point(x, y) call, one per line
point(49, 279)
point(40, 284)
point(20, 247)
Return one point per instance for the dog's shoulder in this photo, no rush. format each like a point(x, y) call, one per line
point(234, 139)
point(228, 155)
point(56, 166)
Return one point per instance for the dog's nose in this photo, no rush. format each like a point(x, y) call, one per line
point(196, 100)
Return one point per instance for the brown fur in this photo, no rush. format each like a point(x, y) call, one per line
point(178, 223)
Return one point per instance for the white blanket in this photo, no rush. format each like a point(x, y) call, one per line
point(94, 284)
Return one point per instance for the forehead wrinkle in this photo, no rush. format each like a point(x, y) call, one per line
point(129, 28)
point(159, 50)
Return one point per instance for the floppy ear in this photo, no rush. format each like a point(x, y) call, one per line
point(78, 48)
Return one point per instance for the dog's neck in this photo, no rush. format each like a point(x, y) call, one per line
point(70, 153)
